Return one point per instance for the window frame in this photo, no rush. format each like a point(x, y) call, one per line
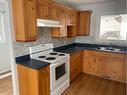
point(98, 22)
point(3, 32)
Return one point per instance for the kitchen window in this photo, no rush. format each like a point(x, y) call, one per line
point(113, 27)
point(2, 29)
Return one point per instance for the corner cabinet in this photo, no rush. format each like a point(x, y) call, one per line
point(84, 23)
point(24, 16)
point(75, 65)
point(33, 82)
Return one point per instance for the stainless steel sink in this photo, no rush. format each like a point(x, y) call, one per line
point(108, 49)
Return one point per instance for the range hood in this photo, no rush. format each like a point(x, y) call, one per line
point(48, 23)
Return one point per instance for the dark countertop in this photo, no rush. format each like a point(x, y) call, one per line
point(30, 63)
point(73, 48)
point(70, 49)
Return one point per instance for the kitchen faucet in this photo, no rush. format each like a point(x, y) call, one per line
point(110, 46)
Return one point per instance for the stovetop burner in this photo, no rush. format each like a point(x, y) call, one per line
point(50, 58)
point(53, 53)
point(41, 56)
point(61, 54)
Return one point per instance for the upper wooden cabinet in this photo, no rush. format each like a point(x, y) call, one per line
point(55, 11)
point(62, 31)
point(24, 15)
point(84, 23)
point(70, 19)
point(71, 23)
point(43, 9)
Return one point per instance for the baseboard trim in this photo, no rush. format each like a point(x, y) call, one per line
point(5, 74)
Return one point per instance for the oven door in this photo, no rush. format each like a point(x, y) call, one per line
point(59, 72)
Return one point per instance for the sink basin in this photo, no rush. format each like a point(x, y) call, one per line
point(109, 49)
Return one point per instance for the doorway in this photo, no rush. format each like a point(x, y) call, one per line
point(8, 83)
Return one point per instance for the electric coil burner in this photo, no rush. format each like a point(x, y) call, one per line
point(41, 56)
point(50, 58)
point(61, 54)
point(53, 53)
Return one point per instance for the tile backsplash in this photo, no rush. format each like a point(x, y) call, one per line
point(44, 36)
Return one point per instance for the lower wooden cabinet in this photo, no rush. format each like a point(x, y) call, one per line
point(33, 82)
point(105, 64)
point(116, 68)
point(75, 65)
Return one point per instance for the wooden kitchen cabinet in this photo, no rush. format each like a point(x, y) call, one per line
point(70, 17)
point(43, 9)
point(105, 64)
point(89, 63)
point(33, 82)
point(116, 66)
point(24, 15)
point(75, 65)
point(61, 31)
point(84, 23)
point(72, 28)
point(55, 11)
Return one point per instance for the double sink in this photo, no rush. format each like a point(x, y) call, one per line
point(109, 49)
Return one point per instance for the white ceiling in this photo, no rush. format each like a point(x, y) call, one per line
point(80, 2)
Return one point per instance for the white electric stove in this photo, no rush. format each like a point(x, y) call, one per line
point(59, 68)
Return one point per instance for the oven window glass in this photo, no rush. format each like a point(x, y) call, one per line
point(60, 71)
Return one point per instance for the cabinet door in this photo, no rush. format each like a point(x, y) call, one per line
point(24, 14)
point(30, 20)
point(63, 30)
point(84, 23)
point(101, 62)
point(73, 17)
point(86, 61)
point(116, 69)
point(43, 10)
point(55, 12)
point(89, 63)
point(93, 64)
point(68, 17)
point(75, 65)
point(44, 81)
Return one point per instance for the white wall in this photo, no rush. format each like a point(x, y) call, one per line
point(100, 8)
point(4, 49)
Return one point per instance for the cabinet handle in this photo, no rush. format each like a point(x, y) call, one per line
point(94, 60)
point(114, 72)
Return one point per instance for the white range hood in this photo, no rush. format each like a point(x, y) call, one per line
point(48, 23)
